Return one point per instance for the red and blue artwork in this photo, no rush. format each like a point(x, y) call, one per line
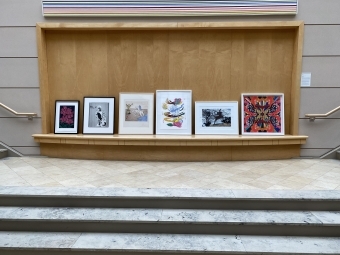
point(262, 114)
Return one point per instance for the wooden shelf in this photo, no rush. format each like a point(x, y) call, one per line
point(170, 140)
point(218, 61)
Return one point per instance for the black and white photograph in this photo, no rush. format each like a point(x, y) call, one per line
point(216, 117)
point(98, 115)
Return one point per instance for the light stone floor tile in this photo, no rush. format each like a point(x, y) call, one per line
point(278, 187)
point(223, 174)
point(260, 184)
point(61, 177)
point(250, 174)
point(292, 184)
point(49, 184)
point(36, 180)
point(114, 185)
point(75, 183)
point(261, 170)
point(243, 167)
point(331, 179)
point(240, 179)
point(192, 184)
point(310, 175)
point(324, 185)
point(303, 180)
point(213, 186)
point(311, 187)
point(272, 174)
point(270, 179)
point(319, 167)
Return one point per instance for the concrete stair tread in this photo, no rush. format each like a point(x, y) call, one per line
point(140, 193)
point(171, 215)
point(168, 243)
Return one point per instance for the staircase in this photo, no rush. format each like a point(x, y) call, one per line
point(168, 221)
point(3, 153)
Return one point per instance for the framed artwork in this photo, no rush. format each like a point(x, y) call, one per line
point(66, 117)
point(263, 114)
point(216, 118)
point(98, 115)
point(173, 112)
point(136, 113)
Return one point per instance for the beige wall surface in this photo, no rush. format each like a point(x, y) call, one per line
point(19, 86)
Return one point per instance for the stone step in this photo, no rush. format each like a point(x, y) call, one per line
point(119, 243)
point(337, 155)
point(171, 198)
point(3, 153)
point(175, 221)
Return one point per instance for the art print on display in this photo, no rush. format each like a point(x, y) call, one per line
point(136, 113)
point(173, 112)
point(98, 115)
point(263, 114)
point(216, 118)
point(66, 117)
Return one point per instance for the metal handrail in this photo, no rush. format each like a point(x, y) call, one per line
point(312, 117)
point(29, 115)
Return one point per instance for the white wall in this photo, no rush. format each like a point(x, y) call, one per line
point(19, 86)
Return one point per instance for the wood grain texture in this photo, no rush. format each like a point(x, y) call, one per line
point(296, 79)
point(265, 152)
point(173, 140)
point(217, 65)
point(46, 112)
point(163, 153)
point(154, 153)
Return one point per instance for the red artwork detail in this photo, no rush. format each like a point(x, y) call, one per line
point(262, 114)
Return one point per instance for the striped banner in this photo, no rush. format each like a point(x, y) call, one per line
point(168, 8)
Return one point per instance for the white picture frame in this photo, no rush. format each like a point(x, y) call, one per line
point(98, 115)
point(173, 112)
point(66, 117)
point(216, 117)
point(136, 113)
point(256, 105)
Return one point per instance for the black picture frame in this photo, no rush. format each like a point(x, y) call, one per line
point(66, 119)
point(98, 115)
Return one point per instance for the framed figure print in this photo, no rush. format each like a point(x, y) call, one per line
point(98, 115)
point(173, 112)
point(66, 117)
point(216, 118)
point(263, 114)
point(136, 113)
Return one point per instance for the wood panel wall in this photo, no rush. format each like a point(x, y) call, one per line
point(215, 64)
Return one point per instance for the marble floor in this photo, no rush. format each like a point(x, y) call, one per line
point(293, 174)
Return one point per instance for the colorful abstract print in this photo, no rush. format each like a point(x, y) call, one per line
point(66, 118)
point(262, 114)
point(173, 111)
